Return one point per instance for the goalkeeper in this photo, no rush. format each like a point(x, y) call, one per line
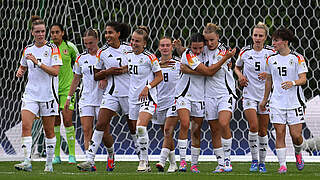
point(68, 54)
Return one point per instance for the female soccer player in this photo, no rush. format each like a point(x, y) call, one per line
point(91, 94)
point(167, 116)
point(190, 97)
point(43, 60)
point(252, 60)
point(145, 75)
point(286, 73)
point(219, 97)
point(69, 54)
point(112, 64)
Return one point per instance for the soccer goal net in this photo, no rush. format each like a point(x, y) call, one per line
point(178, 19)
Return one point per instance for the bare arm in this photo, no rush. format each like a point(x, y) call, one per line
point(157, 79)
point(243, 81)
point(21, 71)
point(102, 74)
point(178, 46)
point(73, 87)
point(301, 81)
point(267, 90)
point(187, 70)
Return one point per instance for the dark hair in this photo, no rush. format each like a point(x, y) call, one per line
point(91, 32)
point(36, 20)
point(123, 28)
point(143, 30)
point(64, 37)
point(197, 37)
point(284, 34)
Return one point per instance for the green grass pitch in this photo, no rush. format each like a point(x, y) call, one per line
point(127, 170)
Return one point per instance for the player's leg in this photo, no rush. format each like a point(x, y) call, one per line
point(295, 129)
point(165, 150)
point(263, 140)
point(87, 128)
point(169, 141)
point(226, 138)
point(281, 146)
point(57, 123)
point(50, 140)
point(108, 143)
point(196, 124)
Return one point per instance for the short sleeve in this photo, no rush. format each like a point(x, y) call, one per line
point(99, 60)
point(74, 51)
point(191, 60)
point(56, 56)
point(239, 61)
point(268, 69)
point(302, 66)
point(23, 60)
point(155, 66)
point(76, 67)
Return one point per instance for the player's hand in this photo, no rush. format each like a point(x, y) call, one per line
point(286, 85)
point(67, 104)
point(103, 84)
point(177, 43)
point(20, 72)
point(243, 81)
point(230, 53)
point(168, 63)
point(124, 69)
point(32, 58)
point(113, 71)
point(262, 105)
point(262, 76)
point(143, 96)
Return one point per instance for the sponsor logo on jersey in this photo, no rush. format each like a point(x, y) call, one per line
point(275, 63)
point(65, 51)
point(110, 56)
point(86, 62)
point(250, 57)
point(46, 54)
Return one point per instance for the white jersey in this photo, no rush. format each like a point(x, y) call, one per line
point(166, 88)
point(222, 82)
point(91, 94)
point(41, 86)
point(286, 68)
point(141, 68)
point(191, 86)
point(108, 57)
point(254, 63)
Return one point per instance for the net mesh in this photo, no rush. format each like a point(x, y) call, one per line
point(178, 19)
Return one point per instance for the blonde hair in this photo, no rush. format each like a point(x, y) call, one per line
point(143, 30)
point(211, 28)
point(36, 20)
point(261, 25)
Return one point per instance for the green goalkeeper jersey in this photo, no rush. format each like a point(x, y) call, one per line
point(69, 54)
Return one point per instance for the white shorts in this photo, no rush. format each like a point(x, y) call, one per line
point(89, 111)
point(135, 109)
point(215, 105)
point(50, 108)
point(163, 114)
point(287, 116)
point(253, 104)
point(196, 108)
point(116, 104)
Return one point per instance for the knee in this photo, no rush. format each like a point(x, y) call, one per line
point(101, 126)
point(224, 125)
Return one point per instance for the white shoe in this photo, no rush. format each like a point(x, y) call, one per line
point(48, 168)
point(172, 168)
point(143, 166)
point(24, 166)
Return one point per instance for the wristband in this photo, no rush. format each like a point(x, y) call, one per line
point(68, 97)
point(39, 63)
point(149, 86)
point(293, 83)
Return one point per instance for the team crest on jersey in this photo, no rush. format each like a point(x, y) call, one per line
point(291, 62)
point(46, 54)
point(248, 103)
point(141, 61)
point(214, 56)
point(65, 51)
point(173, 68)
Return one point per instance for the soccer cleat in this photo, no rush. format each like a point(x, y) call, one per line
point(24, 166)
point(110, 163)
point(143, 166)
point(282, 169)
point(219, 169)
point(262, 168)
point(56, 160)
point(299, 162)
point(194, 169)
point(160, 167)
point(254, 166)
point(72, 159)
point(183, 166)
point(227, 165)
point(48, 168)
point(86, 166)
point(172, 168)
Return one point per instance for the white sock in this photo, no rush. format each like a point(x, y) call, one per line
point(298, 148)
point(164, 155)
point(226, 145)
point(134, 139)
point(263, 145)
point(94, 145)
point(110, 151)
point(182, 145)
point(219, 155)
point(195, 152)
point(26, 147)
point(253, 144)
point(281, 154)
point(50, 145)
point(172, 157)
point(143, 141)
